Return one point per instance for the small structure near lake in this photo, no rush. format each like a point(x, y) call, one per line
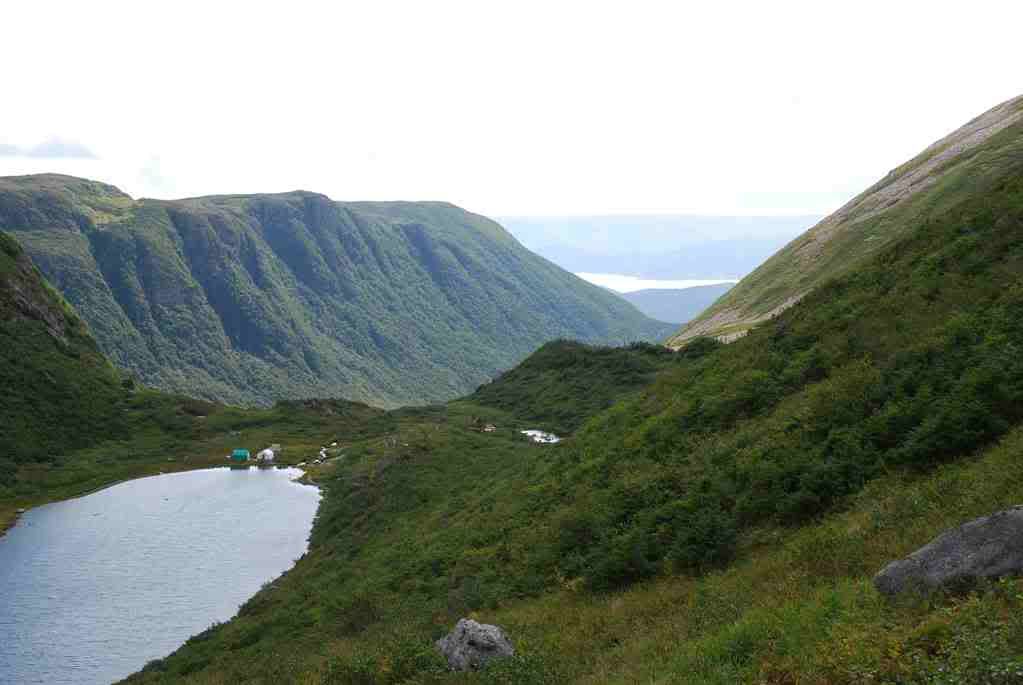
point(240, 455)
point(266, 457)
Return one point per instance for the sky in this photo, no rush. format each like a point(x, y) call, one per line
point(505, 108)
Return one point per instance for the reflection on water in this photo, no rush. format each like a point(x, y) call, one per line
point(93, 588)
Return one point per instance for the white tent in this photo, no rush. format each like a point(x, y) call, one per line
point(265, 455)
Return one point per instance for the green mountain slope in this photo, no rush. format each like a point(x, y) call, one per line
point(59, 392)
point(70, 422)
point(867, 224)
point(248, 299)
point(719, 522)
point(676, 306)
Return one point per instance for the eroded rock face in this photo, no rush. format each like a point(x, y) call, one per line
point(471, 645)
point(988, 547)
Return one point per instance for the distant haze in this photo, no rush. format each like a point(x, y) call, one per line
point(633, 252)
point(631, 284)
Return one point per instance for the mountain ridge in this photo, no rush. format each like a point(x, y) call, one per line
point(857, 230)
point(253, 298)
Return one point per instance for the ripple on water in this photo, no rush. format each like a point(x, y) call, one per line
point(93, 588)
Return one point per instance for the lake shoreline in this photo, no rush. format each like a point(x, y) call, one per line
point(9, 521)
point(9, 517)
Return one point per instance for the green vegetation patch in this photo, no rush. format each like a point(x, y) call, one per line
point(565, 382)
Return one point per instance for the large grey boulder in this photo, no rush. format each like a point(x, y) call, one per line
point(988, 547)
point(471, 645)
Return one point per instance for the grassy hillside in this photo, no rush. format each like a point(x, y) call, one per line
point(718, 523)
point(676, 306)
point(249, 299)
point(867, 224)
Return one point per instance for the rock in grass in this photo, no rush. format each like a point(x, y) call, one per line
point(471, 645)
point(988, 547)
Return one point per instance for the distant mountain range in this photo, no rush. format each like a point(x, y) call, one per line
point(676, 306)
point(250, 299)
point(664, 247)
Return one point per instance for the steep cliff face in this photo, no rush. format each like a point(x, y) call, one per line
point(249, 299)
point(904, 199)
point(59, 392)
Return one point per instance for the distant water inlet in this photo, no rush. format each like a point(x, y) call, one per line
point(93, 588)
point(541, 437)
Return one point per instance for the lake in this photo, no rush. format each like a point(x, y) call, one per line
point(91, 589)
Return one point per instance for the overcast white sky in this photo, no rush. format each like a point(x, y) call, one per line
point(506, 108)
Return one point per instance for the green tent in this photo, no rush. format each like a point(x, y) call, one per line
point(240, 455)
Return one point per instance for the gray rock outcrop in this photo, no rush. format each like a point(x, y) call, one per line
point(988, 547)
point(471, 645)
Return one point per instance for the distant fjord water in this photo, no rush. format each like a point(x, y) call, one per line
point(624, 283)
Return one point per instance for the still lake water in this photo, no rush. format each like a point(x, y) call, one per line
point(93, 588)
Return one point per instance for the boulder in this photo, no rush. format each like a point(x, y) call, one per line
point(988, 547)
point(471, 645)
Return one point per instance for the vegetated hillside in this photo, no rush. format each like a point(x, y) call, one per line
point(717, 524)
point(867, 224)
point(565, 382)
point(676, 306)
point(248, 299)
point(59, 391)
point(70, 422)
